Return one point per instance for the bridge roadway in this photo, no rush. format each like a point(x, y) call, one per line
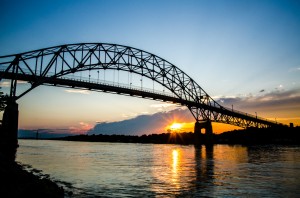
point(225, 115)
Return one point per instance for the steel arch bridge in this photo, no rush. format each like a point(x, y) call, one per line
point(56, 66)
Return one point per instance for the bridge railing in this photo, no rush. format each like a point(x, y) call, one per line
point(118, 84)
point(249, 115)
point(102, 82)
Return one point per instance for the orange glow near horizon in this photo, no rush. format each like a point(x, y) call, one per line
point(179, 127)
point(220, 127)
point(176, 126)
point(181, 124)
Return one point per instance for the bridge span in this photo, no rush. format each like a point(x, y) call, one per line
point(57, 66)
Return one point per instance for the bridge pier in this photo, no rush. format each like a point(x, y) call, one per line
point(206, 138)
point(9, 131)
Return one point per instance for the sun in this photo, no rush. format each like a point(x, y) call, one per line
point(175, 126)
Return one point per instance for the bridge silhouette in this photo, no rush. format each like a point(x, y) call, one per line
point(79, 66)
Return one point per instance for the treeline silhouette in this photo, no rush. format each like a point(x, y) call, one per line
point(282, 135)
point(163, 138)
point(277, 135)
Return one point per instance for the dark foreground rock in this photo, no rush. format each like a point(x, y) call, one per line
point(17, 182)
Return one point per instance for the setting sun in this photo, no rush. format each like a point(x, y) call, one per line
point(176, 126)
point(179, 127)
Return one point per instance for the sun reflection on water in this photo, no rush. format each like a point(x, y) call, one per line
point(175, 160)
point(175, 169)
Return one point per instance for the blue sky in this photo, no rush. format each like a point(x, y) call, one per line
point(234, 49)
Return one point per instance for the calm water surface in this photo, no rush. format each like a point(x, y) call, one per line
point(96, 169)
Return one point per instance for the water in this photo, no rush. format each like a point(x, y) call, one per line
point(96, 169)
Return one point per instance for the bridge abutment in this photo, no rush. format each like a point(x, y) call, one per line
point(9, 131)
point(206, 138)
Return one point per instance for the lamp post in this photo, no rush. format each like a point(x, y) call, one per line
point(256, 114)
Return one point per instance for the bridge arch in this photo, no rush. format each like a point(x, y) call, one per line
point(55, 65)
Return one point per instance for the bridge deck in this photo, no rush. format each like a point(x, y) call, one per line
point(123, 90)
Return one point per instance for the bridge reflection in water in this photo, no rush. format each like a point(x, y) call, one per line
point(184, 171)
point(202, 171)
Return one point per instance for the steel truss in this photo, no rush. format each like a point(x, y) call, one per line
point(53, 65)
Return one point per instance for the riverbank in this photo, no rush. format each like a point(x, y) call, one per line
point(15, 181)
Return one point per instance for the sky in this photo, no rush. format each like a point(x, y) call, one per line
point(244, 54)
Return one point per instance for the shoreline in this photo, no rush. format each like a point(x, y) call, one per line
point(16, 181)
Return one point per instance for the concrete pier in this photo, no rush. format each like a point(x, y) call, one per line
point(9, 130)
point(206, 138)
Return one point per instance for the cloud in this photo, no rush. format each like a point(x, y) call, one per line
point(278, 100)
point(6, 83)
point(280, 87)
point(294, 69)
point(165, 106)
point(81, 128)
point(162, 105)
point(77, 91)
point(130, 115)
point(144, 124)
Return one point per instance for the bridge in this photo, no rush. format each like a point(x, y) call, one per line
point(88, 66)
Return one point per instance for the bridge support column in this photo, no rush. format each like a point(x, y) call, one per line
point(206, 138)
point(197, 133)
point(9, 131)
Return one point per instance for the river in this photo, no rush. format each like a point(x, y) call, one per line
point(98, 169)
